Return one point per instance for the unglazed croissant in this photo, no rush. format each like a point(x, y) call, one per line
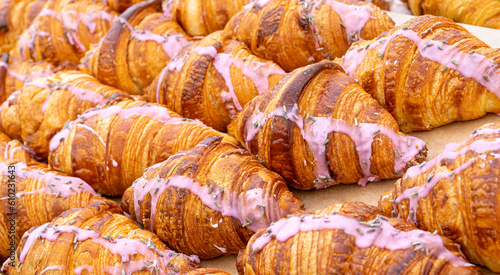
point(485, 13)
point(31, 195)
point(11, 149)
point(295, 33)
point(213, 79)
point(136, 48)
point(317, 127)
point(35, 114)
point(110, 147)
point(428, 72)
point(210, 199)
point(353, 238)
point(202, 17)
point(456, 194)
point(64, 30)
point(96, 239)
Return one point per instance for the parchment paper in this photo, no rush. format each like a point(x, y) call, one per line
point(435, 139)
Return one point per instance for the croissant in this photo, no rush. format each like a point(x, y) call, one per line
point(352, 238)
point(202, 17)
point(15, 17)
point(31, 195)
point(34, 113)
point(136, 48)
point(13, 149)
point(121, 5)
point(212, 80)
point(64, 30)
point(483, 13)
point(456, 195)
point(317, 128)
point(96, 239)
point(209, 200)
point(318, 28)
point(110, 147)
point(202, 271)
point(428, 72)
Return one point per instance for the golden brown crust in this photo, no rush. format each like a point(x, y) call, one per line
point(464, 204)
point(11, 149)
point(269, 30)
point(333, 251)
point(421, 93)
point(321, 91)
point(188, 219)
point(203, 271)
point(122, 140)
point(35, 202)
point(104, 242)
point(201, 82)
point(34, 115)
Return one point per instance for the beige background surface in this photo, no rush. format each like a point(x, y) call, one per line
point(435, 139)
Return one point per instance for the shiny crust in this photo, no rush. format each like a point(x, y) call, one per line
point(319, 90)
point(484, 13)
point(196, 91)
point(34, 209)
point(106, 219)
point(135, 143)
point(465, 209)
point(334, 252)
point(185, 223)
point(203, 271)
point(268, 32)
point(414, 89)
point(11, 149)
point(23, 116)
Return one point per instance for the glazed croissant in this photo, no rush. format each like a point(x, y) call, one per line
point(317, 127)
point(353, 238)
point(35, 113)
point(483, 13)
point(213, 79)
point(202, 17)
point(15, 17)
point(318, 29)
point(31, 195)
point(210, 199)
point(136, 48)
point(428, 72)
point(456, 194)
point(64, 31)
point(13, 149)
point(95, 239)
point(110, 147)
point(202, 271)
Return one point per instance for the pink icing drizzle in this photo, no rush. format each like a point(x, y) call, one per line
point(19, 77)
point(470, 65)
point(54, 267)
point(384, 236)
point(316, 132)
point(177, 62)
point(167, 8)
point(161, 77)
point(259, 3)
point(80, 269)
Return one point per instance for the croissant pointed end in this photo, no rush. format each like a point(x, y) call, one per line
point(385, 203)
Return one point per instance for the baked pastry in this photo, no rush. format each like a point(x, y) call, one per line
point(64, 31)
point(136, 48)
point(110, 147)
point(456, 195)
point(121, 5)
point(428, 72)
point(34, 114)
point(213, 79)
point(485, 13)
point(210, 199)
point(202, 17)
point(318, 28)
point(13, 149)
point(95, 239)
point(31, 195)
point(317, 128)
point(202, 271)
point(352, 238)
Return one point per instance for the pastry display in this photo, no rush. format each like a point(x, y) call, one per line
point(317, 127)
point(96, 239)
point(319, 29)
point(352, 238)
point(31, 195)
point(428, 72)
point(209, 200)
point(456, 194)
point(213, 79)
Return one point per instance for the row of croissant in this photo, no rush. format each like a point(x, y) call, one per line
point(204, 194)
